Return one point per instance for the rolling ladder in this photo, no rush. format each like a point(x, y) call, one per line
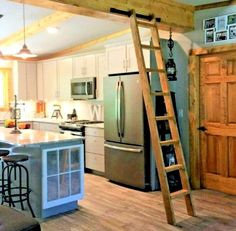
point(153, 119)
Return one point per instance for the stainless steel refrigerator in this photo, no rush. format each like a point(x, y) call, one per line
point(127, 146)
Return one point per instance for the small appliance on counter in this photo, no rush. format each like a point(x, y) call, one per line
point(57, 111)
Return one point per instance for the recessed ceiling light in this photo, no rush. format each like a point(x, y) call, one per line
point(52, 30)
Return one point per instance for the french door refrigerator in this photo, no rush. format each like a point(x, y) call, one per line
point(127, 151)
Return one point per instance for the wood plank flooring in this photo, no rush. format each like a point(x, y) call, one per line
point(110, 207)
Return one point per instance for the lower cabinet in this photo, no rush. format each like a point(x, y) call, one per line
point(62, 180)
point(52, 127)
point(94, 149)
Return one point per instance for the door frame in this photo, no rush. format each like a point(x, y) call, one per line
point(194, 108)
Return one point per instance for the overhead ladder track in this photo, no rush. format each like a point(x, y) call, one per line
point(153, 119)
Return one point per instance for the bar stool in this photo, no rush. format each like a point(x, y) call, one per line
point(3, 152)
point(17, 189)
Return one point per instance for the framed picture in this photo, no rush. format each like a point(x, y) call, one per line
point(232, 31)
point(221, 36)
point(209, 36)
point(231, 19)
point(221, 23)
point(209, 23)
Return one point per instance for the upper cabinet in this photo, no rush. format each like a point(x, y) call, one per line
point(122, 59)
point(53, 79)
point(64, 75)
point(50, 80)
point(101, 73)
point(84, 66)
point(27, 81)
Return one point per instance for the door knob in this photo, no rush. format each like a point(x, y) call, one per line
point(202, 129)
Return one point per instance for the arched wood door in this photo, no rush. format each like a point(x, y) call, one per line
point(218, 117)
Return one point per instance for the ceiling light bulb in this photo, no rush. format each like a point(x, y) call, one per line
point(52, 30)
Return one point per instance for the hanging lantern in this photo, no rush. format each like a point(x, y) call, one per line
point(170, 65)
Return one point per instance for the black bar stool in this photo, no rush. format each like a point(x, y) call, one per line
point(3, 152)
point(17, 188)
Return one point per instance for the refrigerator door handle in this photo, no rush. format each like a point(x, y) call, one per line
point(86, 88)
point(137, 150)
point(122, 109)
point(118, 108)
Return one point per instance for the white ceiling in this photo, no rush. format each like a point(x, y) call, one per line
point(76, 30)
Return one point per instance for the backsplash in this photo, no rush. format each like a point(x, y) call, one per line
point(89, 110)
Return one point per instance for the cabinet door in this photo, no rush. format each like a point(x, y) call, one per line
point(116, 59)
point(63, 175)
point(131, 59)
point(50, 80)
point(84, 66)
point(27, 82)
point(31, 75)
point(101, 73)
point(40, 90)
point(64, 77)
point(22, 86)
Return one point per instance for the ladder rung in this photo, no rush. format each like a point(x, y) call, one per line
point(174, 167)
point(179, 193)
point(155, 70)
point(160, 93)
point(161, 118)
point(146, 24)
point(168, 142)
point(150, 47)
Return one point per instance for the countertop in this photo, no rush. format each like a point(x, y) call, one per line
point(29, 136)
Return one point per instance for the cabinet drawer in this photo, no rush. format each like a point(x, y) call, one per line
point(94, 144)
point(94, 131)
point(94, 162)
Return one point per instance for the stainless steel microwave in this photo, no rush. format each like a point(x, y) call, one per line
point(83, 88)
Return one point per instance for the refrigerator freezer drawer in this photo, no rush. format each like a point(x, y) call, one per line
point(125, 164)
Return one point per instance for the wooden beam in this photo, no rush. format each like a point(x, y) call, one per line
point(213, 5)
point(213, 49)
point(194, 142)
point(77, 48)
point(173, 14)
point(36, 27)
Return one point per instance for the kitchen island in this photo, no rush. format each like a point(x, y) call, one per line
point(55, 165)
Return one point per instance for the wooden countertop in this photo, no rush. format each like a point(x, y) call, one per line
point(29, 136)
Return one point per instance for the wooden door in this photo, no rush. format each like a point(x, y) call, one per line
point(218, 116)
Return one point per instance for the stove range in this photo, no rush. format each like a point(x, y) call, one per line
point(75, 127)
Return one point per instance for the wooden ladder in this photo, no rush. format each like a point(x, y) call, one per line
point(157, 143)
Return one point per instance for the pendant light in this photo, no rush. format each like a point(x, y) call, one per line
point(170, 65)
point(24, 53)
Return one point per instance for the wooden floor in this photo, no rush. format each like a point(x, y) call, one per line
point(109, 207)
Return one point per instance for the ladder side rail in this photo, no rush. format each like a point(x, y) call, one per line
point(172, 123)
point(152, 122)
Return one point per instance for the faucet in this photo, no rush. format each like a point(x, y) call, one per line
point(15, 110)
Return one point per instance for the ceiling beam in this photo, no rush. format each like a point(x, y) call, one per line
point(215, 5)
point(77, 48)
point(36, 27)
point(173, 14)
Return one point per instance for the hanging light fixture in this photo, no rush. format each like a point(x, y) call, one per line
point(170, 65)
point(24, 53)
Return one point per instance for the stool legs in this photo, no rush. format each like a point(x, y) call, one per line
point(20, 192)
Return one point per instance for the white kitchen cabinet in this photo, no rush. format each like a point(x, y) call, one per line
point(51, 127)
point(84, 66)
point(94, 149)
point(27, 81)
point(101, 73)
point(40, 87)
point(122, 59)
point(64, 75)
point(50, 80)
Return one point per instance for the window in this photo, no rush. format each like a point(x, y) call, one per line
point(5, 88)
